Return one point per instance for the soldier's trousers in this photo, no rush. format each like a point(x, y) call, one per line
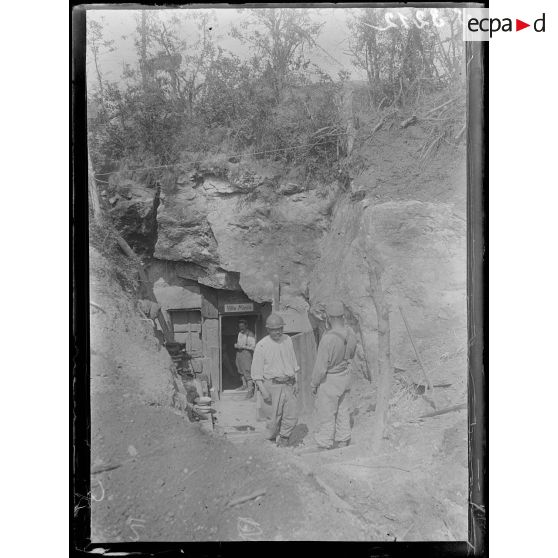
point(244, 363)
point(332, 409)
point(283, 415)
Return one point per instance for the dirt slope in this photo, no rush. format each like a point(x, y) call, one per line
point(179, 484)
point(155, 475)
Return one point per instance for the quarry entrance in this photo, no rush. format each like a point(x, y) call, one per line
point(203, 323)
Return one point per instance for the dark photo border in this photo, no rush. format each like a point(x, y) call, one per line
point(477, 260)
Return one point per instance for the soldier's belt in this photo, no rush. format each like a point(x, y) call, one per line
point(335, 372)
point(283, 380)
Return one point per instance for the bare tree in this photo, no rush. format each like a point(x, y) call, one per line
point(364, 45)
point(165, 58)
point(400, 60)
point(279, 37)
point(98, 46)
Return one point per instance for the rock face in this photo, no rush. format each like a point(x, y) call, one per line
point(237, 225)
point(249, 225)
point(420, 251)
point(134, 213)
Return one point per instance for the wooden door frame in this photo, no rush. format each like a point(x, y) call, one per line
point(219, 329)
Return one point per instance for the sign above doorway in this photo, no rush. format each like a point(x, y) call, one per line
point(245, 307)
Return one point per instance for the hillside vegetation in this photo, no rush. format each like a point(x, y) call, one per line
point(186, 98)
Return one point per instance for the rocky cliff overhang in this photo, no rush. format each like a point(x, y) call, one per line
point(250, 228)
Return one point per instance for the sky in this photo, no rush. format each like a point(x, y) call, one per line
point(333, 56)
point(118, 24)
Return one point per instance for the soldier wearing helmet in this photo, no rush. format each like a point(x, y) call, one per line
point(274, 369)
point(331, 380)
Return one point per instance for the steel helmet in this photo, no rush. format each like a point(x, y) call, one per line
point(274, 321)
point(335, 309)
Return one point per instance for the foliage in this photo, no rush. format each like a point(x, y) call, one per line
point(187, 98)
point(279, 38)
point(102, 237)
point(409, 59)
point(193, 97)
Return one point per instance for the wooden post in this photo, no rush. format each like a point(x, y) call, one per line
point(367, 362)
point(167, 332)
point(384, 363)
point(428, 382)
point(147, 285)
point(385, 369)
point(276, 293)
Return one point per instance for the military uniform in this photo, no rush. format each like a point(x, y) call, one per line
point(275, 364)
point(331, 377)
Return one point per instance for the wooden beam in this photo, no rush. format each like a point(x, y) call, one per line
point(444, 411)
point(148, 286)
point(276, 293)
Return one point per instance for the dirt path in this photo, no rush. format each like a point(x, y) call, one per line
point(175, 483)
point(158, 477)
point(415, 489)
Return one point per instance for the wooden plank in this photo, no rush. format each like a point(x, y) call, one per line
point(167, 332)
point(186, 325)
point(444, 411)
point(210, 349)
point(209, 305)
point(146, 285)
point(184, 317)
point(214, 372)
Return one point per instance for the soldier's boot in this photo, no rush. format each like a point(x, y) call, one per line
point(282, 442)
point(343, 444)
point(251, 389)
point(243, 386)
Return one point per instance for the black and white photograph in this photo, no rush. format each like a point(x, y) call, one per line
point(278, 223)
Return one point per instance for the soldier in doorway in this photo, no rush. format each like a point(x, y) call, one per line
point(331, 380)
point(245, 345)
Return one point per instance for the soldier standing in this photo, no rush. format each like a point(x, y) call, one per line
point(331, 380)
point(274, 370)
